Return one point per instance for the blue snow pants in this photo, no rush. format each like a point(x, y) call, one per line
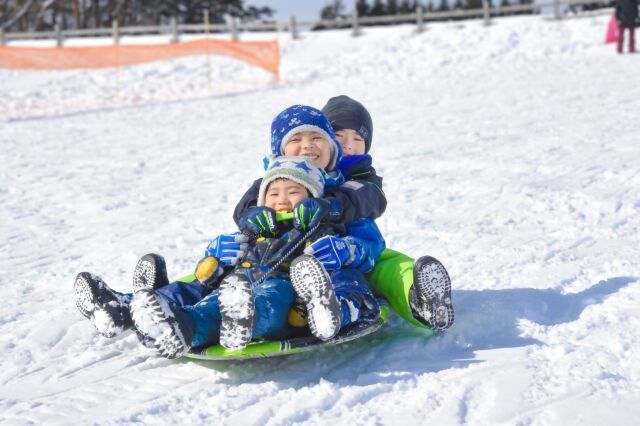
point(177, 293)
point(357, 302)
point(272, 298)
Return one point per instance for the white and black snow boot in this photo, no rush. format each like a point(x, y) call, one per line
point(430, 296)
point(312, 283)
point(237, 309)
point(101, 305)
point(150, 273)
point(158, 324)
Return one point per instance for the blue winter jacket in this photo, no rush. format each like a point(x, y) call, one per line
point(364, 233)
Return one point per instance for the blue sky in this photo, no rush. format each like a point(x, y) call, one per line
point(301, 9)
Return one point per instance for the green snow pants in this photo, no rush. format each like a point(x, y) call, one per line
point(391, 278)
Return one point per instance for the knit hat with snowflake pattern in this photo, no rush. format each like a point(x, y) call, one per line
point(301, 118)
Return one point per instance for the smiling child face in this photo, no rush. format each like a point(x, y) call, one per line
point(311, 145)
point(284, 194)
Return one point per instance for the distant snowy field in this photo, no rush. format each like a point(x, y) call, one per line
point(511, 153)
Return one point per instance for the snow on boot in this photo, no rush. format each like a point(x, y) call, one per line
point(431, 299)
point(157, 324)
point(312, 283)
point(237, 309)
point(150, 273)
point(97, 302)
point(145, 340)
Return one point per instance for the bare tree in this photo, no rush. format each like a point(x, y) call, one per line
point(21, 11)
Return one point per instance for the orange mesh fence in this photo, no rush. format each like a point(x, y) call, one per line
point(264, 54)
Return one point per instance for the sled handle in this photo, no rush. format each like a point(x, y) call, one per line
point(282, 215)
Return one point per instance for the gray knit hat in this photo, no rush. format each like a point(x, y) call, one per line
point(297, 169)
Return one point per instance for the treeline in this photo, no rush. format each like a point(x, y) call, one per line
point(42, 15)
point(336, 9)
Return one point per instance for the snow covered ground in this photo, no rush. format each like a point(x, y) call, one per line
point(511, 153)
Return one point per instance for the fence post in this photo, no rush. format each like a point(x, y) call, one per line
point(174, 30)
point(420, 19)
point(487, 12)
point(234, 29)
point(206, 35)
point(356, 30)
point(58, 35)
point(293, 27)
point(115, 29)
point(556, 9)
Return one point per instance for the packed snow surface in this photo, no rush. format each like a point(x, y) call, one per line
point(511, 153)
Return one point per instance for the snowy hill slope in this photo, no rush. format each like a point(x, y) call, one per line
point(510, 153)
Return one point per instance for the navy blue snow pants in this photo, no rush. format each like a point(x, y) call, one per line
point(273, 299)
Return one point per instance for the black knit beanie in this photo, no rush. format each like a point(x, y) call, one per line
point(346, 113)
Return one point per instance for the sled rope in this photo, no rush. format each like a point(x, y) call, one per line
point(294, 246)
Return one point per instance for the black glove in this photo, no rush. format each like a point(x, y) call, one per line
point(308, 213)
point(259, 221)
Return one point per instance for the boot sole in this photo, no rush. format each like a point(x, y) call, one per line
point(312, 283)
point(237, 310)
point(150, 273)
point(434, 288)
point(86, 288)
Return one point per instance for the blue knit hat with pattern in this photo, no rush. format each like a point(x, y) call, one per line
point(301, 118)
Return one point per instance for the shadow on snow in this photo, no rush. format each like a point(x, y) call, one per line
point(485, 319)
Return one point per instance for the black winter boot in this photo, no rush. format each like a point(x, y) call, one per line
point(101, 305)
point(160, 324)
point(150, 273)
point(430, 295)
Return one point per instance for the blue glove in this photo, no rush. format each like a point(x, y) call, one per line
point(228, 249)
point(308, 213)
point(332, 252)
point(259, 221)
